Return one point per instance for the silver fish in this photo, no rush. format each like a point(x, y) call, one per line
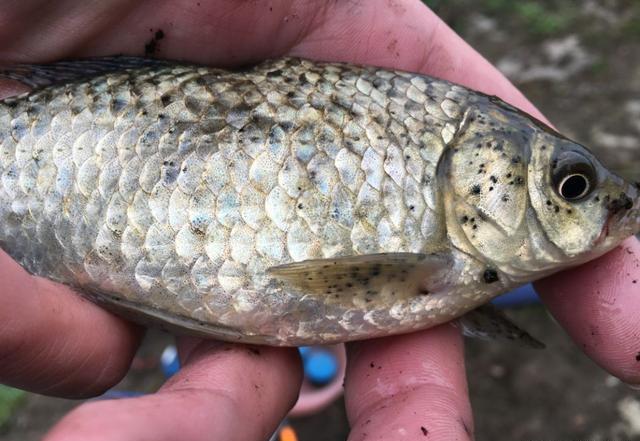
point(293, 202)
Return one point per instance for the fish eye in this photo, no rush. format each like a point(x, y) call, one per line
point(574, 177)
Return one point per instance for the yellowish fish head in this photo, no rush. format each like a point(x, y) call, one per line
point(583, 208)
point(525, 199)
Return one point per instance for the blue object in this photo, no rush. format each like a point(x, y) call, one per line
point(320, 366)
point(169, 361)
point(305, 351)
point(525, 295)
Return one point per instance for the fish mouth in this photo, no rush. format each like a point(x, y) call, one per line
point(623, 220)
point(624, 215)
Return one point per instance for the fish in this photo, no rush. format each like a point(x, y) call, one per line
point(292, 202)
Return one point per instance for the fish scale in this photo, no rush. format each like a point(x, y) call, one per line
point(176, 193)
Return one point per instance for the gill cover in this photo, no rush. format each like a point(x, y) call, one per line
point(486, 172)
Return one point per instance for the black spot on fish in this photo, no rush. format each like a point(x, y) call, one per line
point(169, 172)
point(490, 276)
point(476, 189)
point(165, 99)
point(117, 105)
point(274, 73)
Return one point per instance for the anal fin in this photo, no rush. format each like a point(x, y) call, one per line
point(488, 322)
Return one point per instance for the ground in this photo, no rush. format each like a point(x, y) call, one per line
point(579, 62)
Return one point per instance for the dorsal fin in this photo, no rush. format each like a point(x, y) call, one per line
point(42, 75)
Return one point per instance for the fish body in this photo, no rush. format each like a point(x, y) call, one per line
point(294, 202)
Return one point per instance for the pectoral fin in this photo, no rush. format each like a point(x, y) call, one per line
point(488, 322)
point(366, 278)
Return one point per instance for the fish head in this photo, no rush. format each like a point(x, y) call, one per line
point(583, 208)
point(529, 201)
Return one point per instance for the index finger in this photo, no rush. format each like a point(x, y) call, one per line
point(599, 306)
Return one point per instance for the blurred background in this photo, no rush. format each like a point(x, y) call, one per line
point(579, 62)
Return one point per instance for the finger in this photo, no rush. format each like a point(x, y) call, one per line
point(408, 387)
point(224, 392)
point(599, 306)
point(54, 342)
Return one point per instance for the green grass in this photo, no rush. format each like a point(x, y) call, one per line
point(543, 21)
point(631, 29)
point(10, 399)
point(536, 17)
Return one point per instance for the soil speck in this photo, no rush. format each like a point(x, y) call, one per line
point(152, 45)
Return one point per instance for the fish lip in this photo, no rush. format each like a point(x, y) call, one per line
point(624, 216)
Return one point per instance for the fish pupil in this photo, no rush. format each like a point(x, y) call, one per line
point(574, 187)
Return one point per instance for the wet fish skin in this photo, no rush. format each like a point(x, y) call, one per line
point(183, 194)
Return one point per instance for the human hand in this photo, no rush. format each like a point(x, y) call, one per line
point(54, 342)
